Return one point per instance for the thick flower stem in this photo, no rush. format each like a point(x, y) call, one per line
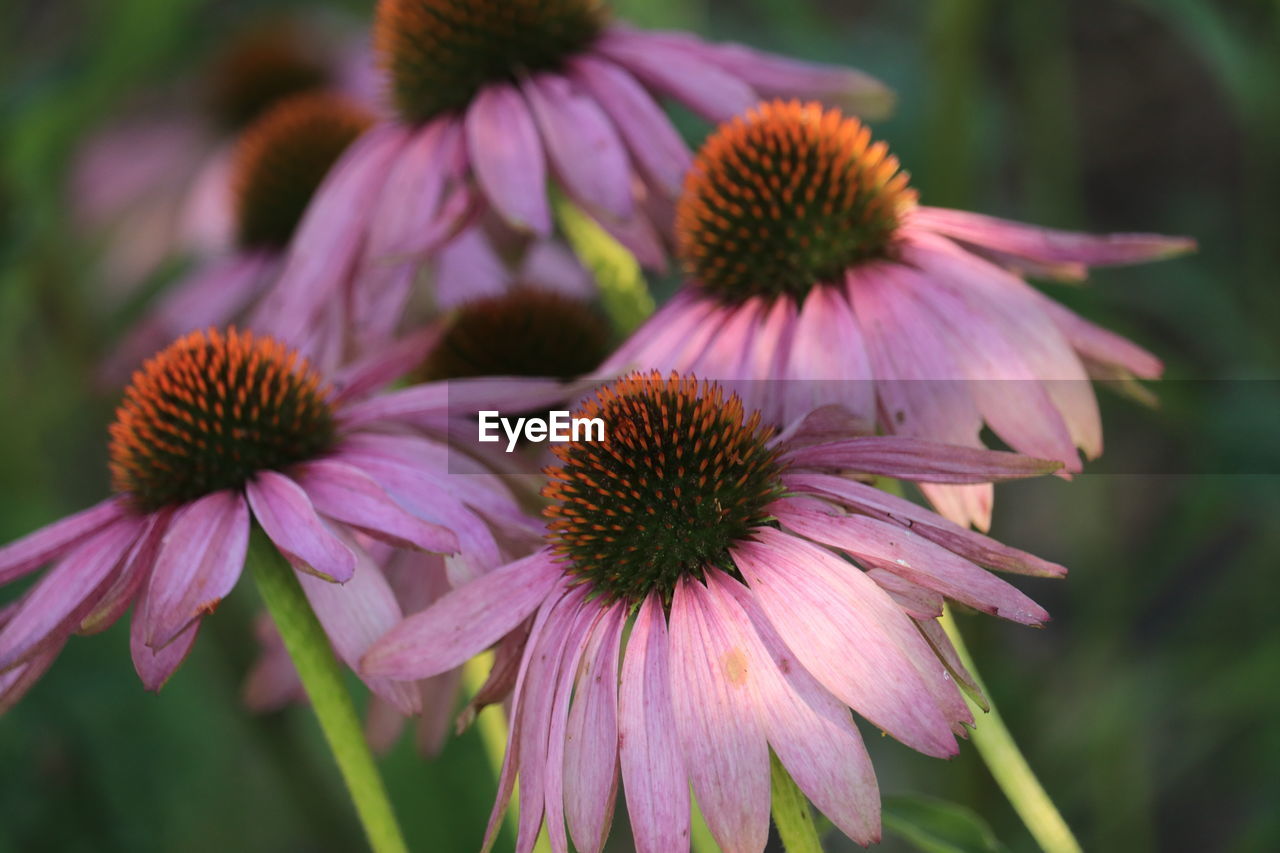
point(1008, 766)
point(322, 678)
point(791, 813)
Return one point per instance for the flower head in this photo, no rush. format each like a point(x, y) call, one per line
point(809, 261)
point(765, 594)
point(496, 102)
point(224, 430)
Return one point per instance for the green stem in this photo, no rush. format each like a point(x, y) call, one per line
point(791, 813)
point(1008, 766)
point(322, 678)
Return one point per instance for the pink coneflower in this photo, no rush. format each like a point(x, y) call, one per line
point(766, 596)
point(222, 432)
point(277, 164)
point(494, 99)
point(808, 258)
point(155, 182)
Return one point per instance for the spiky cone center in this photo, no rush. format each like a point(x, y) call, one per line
point(681, 475)
point(785, 198)
point(281, 160)
point(259, 69)
point(210, 411)
point(439, 53)
point(525, 332)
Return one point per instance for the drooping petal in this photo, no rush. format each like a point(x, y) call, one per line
point(54, 606)
point(700, 85)
point(812, 733)
point(850, 635)
point(15, 683)
point(345, 493)
point(356, 614)
point(468, 268)
point(416, 182)
point(32, 551)
point(591, 740)
point(877, 503)
point(653, 141)
point(464, 622)
point(827, 360)
point(156, 666)
point(915, 558)
point(654, 778)
point(920, 461)
point(199, 562)
point(112, 603)
point(290, 521)
point(389, 363)
point(506, 154)
point(581, 144)
point(1047, 244)
point(718, 723)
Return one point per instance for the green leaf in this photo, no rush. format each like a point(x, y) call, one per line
point(936, 826)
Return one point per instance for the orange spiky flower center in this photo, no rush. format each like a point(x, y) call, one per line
point(526, 332)
point(281, 160)
point(787, 197)
point(681, 475)
point(440, 53)
point(210, 411)
point(263, 66)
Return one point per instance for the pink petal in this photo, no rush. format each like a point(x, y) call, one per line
point(718, 721)
point(656, 785)
point(653, 141)
point(385, 366)
point(416, 183)
point(439, 697)
point(915, 558)
point(581, 144)
point(774, 76)
point(15, 683)
point(289, 519)
point(671, 339)
point(919, 461)
point(507, 157)
point(850, 635)
point(32, 551)
point(200, 560)
point(66, 593)
point(345, 493)
point(918, 602)
point(464, 622)
point(880, 504)
point(116, 599)
point(693, 81)
point(156, 666)
point(550, 265)
point(383, 725)
point(468, 268)
point(810, 730)
point(1049, 245)
point(591, 744)
point(828, 362)
point(330, 236)
point(356, 614)
point(1101, 346)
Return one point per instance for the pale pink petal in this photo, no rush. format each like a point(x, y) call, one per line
point(32, 551)
point(880, 504)
point(112, 603)
point(506, 155)
point(354, 615)
point(828, 362)
point(1046, 244)
point(68, 592)
point(390, 362)
point(591, 742)
point(1101, 346)
point(697, 83)
point(290, 521)
point(919, 461)
point(898, 550)
point(464, 622)
point(653, 141)
point(582, 146)
point(329, 238)
point(672, 338)
point(156, 666)
point(812, 733)
point(416, 184)
point(550, 265)
point(199, 562)
point(718, 722)
point(383, 725)
point(468, 268)
point(918, 602)
point(655, 782)
point(345, 493)
point(850, 635)
point(439, 697)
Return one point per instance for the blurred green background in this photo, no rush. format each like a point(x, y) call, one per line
point(1149, 705)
